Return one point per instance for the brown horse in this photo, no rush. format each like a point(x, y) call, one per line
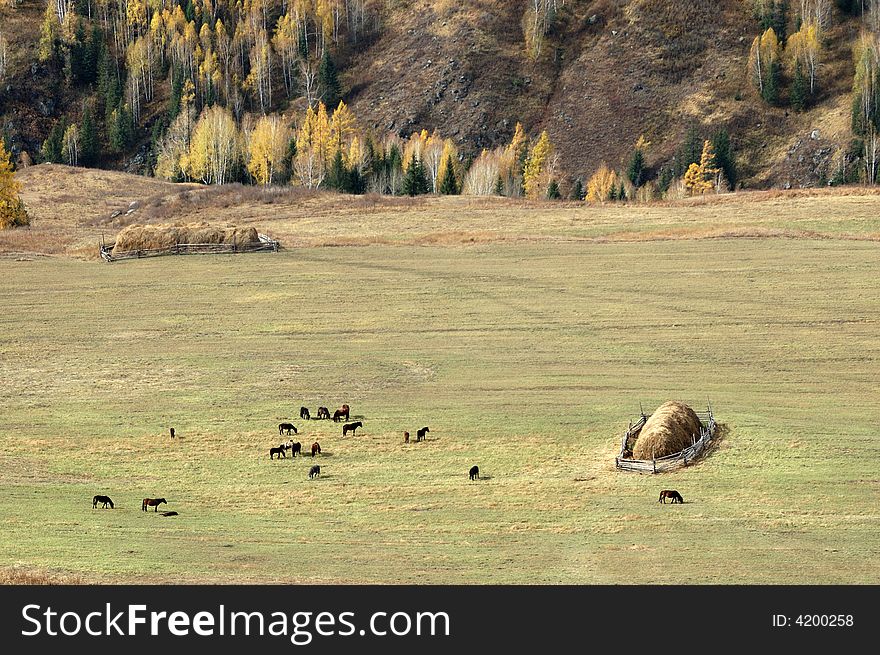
point(340, 413)
point(316, 449)
point(670, 493)
point(153, 502)
point(323, 412)
point(406, 437)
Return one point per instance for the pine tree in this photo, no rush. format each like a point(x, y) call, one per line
point(724, 157)
point(416, 182)
point(54, 143)
point(88, 136)
point(331, 92)
point(449, 184)
point(636, 167)
point(553, 191)
point(577, 190)
point(612, 193)
point(621, 193)
point(12, 209)
point(176, 95)
point(499, 186)
point(689, 152)
point(337, 176)
point(798, 93)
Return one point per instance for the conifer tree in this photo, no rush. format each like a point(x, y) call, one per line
point(54, 143)
point(416, 182)
point(449, 184)
point(553, 191)
point(577, 190)
point(88, 137)
point(725, 158)
point(798, 93)
point(331, 92)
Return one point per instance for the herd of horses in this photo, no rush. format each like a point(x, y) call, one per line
point(315, 471)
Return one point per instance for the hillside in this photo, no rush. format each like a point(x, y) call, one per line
point(609, 71)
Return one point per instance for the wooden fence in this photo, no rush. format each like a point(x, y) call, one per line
point(670, 462)
point(264, 244)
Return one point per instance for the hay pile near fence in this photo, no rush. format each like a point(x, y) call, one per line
point(671, 428)
point(150, 237)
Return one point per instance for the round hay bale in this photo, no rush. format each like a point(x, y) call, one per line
point(669, 430)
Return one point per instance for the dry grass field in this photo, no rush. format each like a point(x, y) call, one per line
point(526, 352)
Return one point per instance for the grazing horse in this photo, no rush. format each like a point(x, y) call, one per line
point(323, 412)
point(278, 451)
point(153, 502)
point(474, 473)
point(406, 437)
point(351, 427)
point(670, 493)
point(102, 499)
point(295, 448)
point(172, 433)
point(314, 472)
point(286, 427)
point(341, 412)
point(420, 434)
point(316, 449)
point(304, 413)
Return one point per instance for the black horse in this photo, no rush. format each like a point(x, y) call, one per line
point(351, 427)
point(153, 502)
point(670, 493)
point(323, 412)
point(295, 448)
point(475, 473)
point(102, 499)
point(286, 427)
point(304, 413)
point(278, 451)
point(420, 433)
point(314, 472)
point(172, 433)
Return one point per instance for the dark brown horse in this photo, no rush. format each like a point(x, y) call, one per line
point(316, 449)
point(286, 427)
point(278, 451)
point(340, 413)
point(102, 499)
point(351, 427)
point(474, 473)
point(314, 472)
point(406, 437)
point(670, 493)
point(323, 412)
point(304, 413)
point(153, 502)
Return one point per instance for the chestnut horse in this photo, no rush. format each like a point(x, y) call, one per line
point(341, 412)
point(153, 502)
point(316, 449)
point(670, 493)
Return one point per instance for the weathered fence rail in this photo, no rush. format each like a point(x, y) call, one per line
point(669, 462)
point(264, 244)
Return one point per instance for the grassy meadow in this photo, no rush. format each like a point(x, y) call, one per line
point(526, 358)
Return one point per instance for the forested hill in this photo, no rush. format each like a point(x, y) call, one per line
point(125, 84)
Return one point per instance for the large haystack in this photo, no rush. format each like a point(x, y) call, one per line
point(670, 429)
point(148, 237)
